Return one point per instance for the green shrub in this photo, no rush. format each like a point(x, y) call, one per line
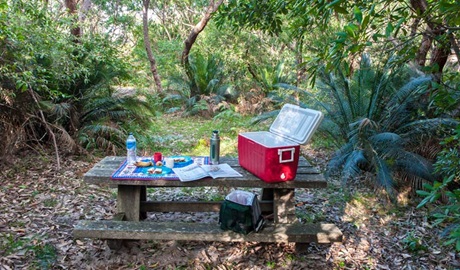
point(448, 214)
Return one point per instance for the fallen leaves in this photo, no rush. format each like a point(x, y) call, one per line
point(39, 207)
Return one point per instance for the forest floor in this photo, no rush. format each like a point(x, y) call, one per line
point(39, 207)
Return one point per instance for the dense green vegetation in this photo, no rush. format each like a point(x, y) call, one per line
point(385, 73)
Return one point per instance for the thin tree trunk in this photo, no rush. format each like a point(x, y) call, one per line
point(454, 44)
point(196, 30)
point(47, 125)
point(148, 48)
point(441, 50)
point(71, 6)
point(424, 47)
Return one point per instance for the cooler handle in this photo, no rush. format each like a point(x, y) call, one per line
point(281, 151)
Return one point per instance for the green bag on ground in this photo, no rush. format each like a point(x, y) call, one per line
point(240, 212)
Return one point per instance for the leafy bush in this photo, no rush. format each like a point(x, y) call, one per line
point(447, 214)
point(54, 87)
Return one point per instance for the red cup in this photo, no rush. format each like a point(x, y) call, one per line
point(157, 157)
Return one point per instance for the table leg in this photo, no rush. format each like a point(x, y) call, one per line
point(116, 244)
point(143, 198)
point(267, 196)
point(128, 201)
point(284, 205)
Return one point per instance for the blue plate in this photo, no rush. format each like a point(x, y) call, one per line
point(179, 164)
point(145, 170)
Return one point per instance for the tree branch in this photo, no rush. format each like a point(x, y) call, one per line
point(148, 48)
point(53, 137)
point(196, 30)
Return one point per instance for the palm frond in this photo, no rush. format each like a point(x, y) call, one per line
point(426, 127)
point(331, 130)
point(398, 111)
point(102, 136)
point(384, 178)
point(353, 164)
point(365, 77)
point(386, 140)
point(264, 116)
point(338, 160)
point(414, 165)
point(409, 91)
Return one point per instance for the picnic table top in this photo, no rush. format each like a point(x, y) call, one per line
point(307, 176)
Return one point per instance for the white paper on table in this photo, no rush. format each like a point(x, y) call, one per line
point(194, 172)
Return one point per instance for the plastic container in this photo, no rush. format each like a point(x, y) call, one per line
point(273, 155)
point(131, 149)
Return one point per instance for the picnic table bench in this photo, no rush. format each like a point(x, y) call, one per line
point(132, 206)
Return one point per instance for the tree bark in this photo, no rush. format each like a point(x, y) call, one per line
point(432, 37)
point(71, 6)
point(148, 48)
point(424, 48)
point(188, 43)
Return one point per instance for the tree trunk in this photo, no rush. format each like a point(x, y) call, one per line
point(424, 48)
point(196, 30)
point(71, 6)
point(148, 48)
point(439, 57)
point(432, 39)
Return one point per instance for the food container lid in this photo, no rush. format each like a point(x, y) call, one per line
point(296, 123)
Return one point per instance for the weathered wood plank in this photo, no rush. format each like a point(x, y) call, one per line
point(128, 202)
point(116, 244)
point(296, 232)
point(192, 206)
point(284, 210)
point(307, 177)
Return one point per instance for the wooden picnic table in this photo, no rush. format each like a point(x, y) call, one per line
point(132, 205)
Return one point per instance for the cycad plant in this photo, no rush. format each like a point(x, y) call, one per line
point(105, 117)
point(378, 121)
point(269, 77)
point(204, 78)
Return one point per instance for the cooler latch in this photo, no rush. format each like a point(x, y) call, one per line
point(280, 154)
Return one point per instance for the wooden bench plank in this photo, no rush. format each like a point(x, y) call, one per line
point(296, 232)
point(192, 206)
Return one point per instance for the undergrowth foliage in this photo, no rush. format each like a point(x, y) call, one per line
point(377, 120)
point(447, 214)
point(53, 88)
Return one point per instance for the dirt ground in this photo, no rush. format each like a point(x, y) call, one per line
point(39, 207)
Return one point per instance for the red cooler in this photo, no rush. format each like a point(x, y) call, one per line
point(273, 155)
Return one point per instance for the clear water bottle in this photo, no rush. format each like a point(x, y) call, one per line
point(131, 149)
point(215, 147)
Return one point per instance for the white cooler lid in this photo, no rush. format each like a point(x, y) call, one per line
point(295, 123)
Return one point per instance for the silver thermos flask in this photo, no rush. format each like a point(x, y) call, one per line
point(215, 148)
